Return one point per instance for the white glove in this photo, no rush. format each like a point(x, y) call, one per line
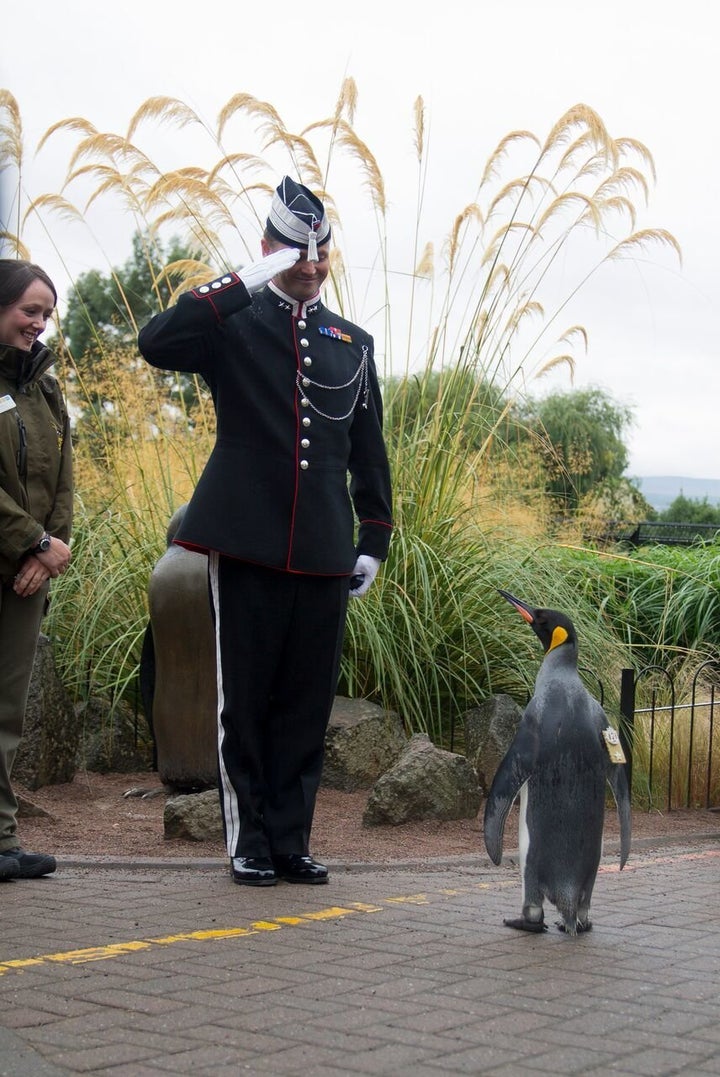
point(256, 275)
point(366, 567)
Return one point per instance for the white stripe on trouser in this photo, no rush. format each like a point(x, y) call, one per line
point(231, 811)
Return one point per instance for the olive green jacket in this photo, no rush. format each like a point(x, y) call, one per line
point(36, 486)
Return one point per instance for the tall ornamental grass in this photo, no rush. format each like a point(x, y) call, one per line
point(136, 459)
point(460, 331)
point(663, 602)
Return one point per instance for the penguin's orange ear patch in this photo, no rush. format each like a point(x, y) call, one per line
point(559, 636)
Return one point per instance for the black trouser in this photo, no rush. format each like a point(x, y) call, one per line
point(279, 641)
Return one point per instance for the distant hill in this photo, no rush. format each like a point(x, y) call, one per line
point(661, 490)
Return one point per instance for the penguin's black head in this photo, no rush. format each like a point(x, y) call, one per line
point(551, 627)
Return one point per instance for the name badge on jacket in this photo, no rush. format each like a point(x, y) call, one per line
point(6, 403)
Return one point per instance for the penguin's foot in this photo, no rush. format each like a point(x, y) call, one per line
point(149, 792)
point(580, 928)
point(521, 924)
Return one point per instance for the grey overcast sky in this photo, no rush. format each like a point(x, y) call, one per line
point(483, 69)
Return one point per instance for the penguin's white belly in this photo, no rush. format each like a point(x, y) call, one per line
point(523, 834)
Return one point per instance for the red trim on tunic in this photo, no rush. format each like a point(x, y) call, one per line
point(377, 523)
point(259, 564)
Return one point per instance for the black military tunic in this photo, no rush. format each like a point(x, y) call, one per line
point(298, 406)
point(298, 409)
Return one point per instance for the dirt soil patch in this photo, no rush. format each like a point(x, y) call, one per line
point(90, 816)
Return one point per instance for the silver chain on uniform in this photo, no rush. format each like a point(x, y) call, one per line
point(360, 376)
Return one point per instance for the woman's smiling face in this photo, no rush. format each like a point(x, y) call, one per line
point(22, 322)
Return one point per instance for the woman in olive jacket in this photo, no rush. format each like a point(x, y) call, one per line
point(36, 495)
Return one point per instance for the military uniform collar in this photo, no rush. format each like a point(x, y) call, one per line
point(296, 308)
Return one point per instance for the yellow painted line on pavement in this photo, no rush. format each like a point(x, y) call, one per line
point(333, 912)
point(408, 899)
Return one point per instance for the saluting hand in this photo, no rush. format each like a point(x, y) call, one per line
point(256, 275)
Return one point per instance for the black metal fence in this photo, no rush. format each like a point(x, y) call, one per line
point(672, 747)
point(672, 534)
point(660, 532)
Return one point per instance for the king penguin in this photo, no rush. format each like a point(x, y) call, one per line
point(559, 762)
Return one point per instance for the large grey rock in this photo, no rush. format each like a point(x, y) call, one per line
point(361, 743)
point(194, 817)
point(489, 732)
point(184, 709)
point(425, 783)
point(47, 754)
point(113, 738)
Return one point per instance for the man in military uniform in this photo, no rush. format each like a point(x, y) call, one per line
point(298, 407)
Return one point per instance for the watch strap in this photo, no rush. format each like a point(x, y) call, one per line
point(43, 545)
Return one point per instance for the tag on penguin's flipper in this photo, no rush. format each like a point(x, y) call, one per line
point(613, 745)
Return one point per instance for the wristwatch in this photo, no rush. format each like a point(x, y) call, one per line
point(43, 545)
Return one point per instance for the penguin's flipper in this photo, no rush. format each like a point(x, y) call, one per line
point(511, 775)
point(617, 777)
point(521, 924)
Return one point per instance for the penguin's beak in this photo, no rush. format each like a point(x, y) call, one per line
point(525, 611)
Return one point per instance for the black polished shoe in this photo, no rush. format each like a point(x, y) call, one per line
point(30, 865)
point(296, 868)
point(253, 870)
point(9, 867)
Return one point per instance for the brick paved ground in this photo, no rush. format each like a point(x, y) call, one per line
point(158, 969)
